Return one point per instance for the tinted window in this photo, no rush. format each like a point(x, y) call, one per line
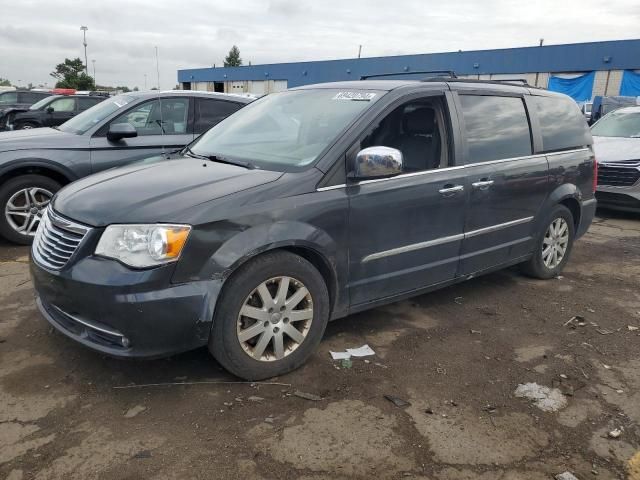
point(212, 112)
point(32, 97)
point(496, 127)
point(562, 124)
point(84, 103)
point(166, 115)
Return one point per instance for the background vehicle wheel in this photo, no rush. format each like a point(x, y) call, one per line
point(22, 202)
point(26, 126)
point(270, 317)
point(553, 245)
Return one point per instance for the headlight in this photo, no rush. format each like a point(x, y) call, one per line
point(142, 246)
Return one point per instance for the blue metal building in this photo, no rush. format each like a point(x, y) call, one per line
point(535, 64)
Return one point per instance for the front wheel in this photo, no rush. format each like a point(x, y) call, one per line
point(553, 245)
point(26, 126)
point(22, 201)
point(270, 317)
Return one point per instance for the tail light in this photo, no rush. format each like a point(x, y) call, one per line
point(595, 174)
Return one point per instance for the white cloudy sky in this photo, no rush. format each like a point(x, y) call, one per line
point(35, 35)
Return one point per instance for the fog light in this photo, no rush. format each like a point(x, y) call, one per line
point(125, 342)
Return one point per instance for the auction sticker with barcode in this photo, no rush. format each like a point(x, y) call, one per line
point(364, 96)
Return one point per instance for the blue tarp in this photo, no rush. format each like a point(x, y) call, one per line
point(579, 88)
point(630, 85)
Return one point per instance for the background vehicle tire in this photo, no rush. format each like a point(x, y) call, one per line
point(248, 345)
point(26, 126)
point(553, 245)
point(22, 201)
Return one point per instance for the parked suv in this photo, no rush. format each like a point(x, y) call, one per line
point(616, 140)
point(311, 204)
point(34, 164)
point(51, 111)
point(17, 100)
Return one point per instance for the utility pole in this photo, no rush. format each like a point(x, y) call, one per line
point(145, 81)
point(359, 50)
point(158, 68)
point(541, 42)
point(84, 42)
point(94, 73)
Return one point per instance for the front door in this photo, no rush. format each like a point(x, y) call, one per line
point(59, 111)
point(406, 231)
point(162, 125)
point(507, 183)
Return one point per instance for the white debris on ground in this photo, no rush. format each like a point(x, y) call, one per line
point(545, 398)
point(363, 351)
point(566, 476)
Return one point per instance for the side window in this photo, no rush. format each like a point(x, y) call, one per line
point(63, 105)
point(156, 117)
point(562, 125)
point(417, 129)
point(495, 127)
point(85, 103)
point(211, 112)
point(9, 97)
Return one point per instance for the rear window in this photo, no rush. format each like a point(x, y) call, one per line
point(496, 127)
point(562, 124)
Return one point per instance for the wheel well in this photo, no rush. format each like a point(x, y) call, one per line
point(35, 170)
point(318, 261)
point(574, 207)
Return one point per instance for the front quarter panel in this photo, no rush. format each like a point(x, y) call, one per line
point(314, 221)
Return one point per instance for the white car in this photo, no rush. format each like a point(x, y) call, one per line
point(616, 141)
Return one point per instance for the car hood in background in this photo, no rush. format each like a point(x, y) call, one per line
point(40, 138)
point(616, 149)
point(154, 191)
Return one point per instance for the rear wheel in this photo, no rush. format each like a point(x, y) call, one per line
point(26, 126)
point(22, 202)
point(553, 245)
point(270, 317)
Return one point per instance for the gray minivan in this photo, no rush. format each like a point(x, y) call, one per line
point(311, 204)
point(35, 163)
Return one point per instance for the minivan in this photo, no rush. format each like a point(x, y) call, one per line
point(311, 204)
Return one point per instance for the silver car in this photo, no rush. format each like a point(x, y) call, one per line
point(616, 141)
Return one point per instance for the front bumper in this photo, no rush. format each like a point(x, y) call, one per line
point(619, 198)
point(126, 313)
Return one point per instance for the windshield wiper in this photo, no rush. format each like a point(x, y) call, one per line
point(218, 159)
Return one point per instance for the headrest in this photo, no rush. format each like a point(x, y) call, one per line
point(419, 121)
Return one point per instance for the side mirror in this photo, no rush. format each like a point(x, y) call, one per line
point(50, 110)
point(118, 131)
point(377, 162)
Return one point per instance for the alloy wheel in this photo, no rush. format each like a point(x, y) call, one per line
point(555, 242)
point(275, 318)
point(25, 207)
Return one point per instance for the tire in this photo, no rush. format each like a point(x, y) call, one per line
point(560, 216)
point(26, 126)
point(40, 188)
point(242, 356)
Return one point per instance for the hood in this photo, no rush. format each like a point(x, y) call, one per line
point(616, 149)
point(155, 190)
point(40, 138)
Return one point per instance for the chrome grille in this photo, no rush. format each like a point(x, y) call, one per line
point(618, 174)
point(56, 240)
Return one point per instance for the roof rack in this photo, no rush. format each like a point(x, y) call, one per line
point(435, 73)
point(519, 82)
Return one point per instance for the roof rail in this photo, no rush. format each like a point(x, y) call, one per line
point(521, 81)
point(435, 73)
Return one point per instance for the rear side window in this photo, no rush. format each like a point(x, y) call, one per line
point(212, 112)
point(84, 103)
point(496, 127)
point(562, 124)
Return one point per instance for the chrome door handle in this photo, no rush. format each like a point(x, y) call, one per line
point(447, 191)
point(482, 184)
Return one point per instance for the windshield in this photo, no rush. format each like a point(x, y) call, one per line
point(286, 130)
point(41, 103)
point(618, 124)
point(87, 119)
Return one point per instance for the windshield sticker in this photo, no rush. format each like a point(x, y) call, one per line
point(361, 96)
point(119, 104)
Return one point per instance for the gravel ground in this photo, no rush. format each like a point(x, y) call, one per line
point(456, 356)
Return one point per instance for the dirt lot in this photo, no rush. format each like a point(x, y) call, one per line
point(456, 355)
